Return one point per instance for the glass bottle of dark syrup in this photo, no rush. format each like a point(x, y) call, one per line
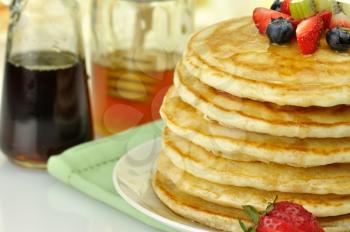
point(45, 100)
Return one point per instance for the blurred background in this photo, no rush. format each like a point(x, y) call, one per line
point(124, 52)
point(3, 28)
point(207, 12)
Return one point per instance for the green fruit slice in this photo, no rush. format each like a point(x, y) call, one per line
point(322, 5)
point(301, 9)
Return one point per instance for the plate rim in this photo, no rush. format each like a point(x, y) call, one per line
point(162, 219)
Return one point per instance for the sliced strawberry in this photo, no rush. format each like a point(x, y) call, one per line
point(262, 17)
point(340, 20)
point(309, 33)
point(285, 7)
point(326, 17)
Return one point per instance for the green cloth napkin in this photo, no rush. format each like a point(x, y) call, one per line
point(88, 167)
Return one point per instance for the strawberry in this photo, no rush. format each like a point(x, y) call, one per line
point(262, 17)
point(271, 224)
point(290, 217)
point(326, 17)
point(281, 217)
point(340, 20)
point(309, 33)
point(285, 7)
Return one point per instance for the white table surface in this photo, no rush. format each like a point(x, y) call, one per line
point(33, 201)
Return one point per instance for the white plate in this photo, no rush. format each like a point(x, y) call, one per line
point(132, 180)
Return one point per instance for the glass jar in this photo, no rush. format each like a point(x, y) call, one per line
point(136, 45)
point(45, 103)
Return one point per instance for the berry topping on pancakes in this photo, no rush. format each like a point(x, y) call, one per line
point(309, 19)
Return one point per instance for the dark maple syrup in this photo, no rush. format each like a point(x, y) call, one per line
point(45, 106)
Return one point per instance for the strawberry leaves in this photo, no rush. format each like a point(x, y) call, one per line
point(244, 228)
point(252, 213)
point(270, 206)
point(255, 215)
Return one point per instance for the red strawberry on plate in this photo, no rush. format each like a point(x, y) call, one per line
point(281, 217)
point(340, 20)
point(326, 17)
point(309, 33)
point(262, 17)
point(285, 7)
point(290, 217)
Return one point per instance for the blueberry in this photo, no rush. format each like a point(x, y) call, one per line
point(338, 39)
point(276, 5)
point(280, 31)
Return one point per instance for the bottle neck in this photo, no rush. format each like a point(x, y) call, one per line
point(44, 25)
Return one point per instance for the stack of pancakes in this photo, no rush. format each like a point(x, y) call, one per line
point(247, 121)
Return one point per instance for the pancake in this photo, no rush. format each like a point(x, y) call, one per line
point(196, 209)
point(330, 179)
point(231, 196)
point(233, 57)
point(262, 117)
point(236, 144)
point(219, 217)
